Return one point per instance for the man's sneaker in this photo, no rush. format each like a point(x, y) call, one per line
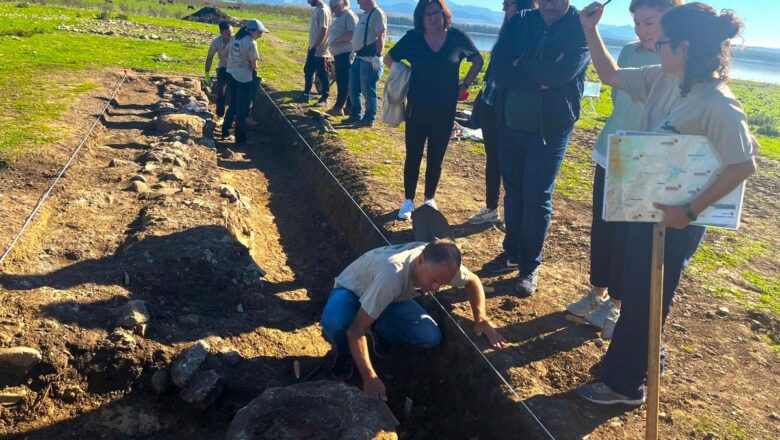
point(351, 120)
point(431, 203)
point(604, 311)
point(303, 98)
point(609, 324)
point(527, 284)
point(405, 213)
point(485, 215)
point(321, 102)
point(342, 367)
point(365, 123)
point(600, 394)
point(381, 346)
point(588, 303)
point(503, 263)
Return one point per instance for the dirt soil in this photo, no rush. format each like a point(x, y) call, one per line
point(191, 255)
point(721, 380)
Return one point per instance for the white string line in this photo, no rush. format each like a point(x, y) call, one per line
point(59, 176)
point(371, 222)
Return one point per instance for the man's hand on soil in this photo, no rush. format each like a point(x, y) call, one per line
point(492, 335)
point(373, 386)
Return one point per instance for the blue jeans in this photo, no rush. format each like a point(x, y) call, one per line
point(401, 322)
point(363, 79)
point(625, 363)
point(529, 164)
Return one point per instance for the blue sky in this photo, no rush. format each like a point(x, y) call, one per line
point(761, 16)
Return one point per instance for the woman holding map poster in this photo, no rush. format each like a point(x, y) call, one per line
point(687, 95)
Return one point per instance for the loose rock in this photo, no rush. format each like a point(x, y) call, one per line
point(327, 410)
point(161, 382)
point(174, 176)
point(203, 390)
point(17, 361)
point(723, 311)
point(186, 365)
point(132, 314)
point(138, 187)
point(192, 124)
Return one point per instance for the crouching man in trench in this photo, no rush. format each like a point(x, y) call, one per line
point(375, 296)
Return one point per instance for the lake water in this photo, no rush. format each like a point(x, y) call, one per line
point(740, 69)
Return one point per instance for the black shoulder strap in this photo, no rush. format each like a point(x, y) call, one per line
point(368, 22)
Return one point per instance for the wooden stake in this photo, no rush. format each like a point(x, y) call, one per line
point(654, 342)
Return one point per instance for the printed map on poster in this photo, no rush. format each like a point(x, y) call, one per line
point(670, 169)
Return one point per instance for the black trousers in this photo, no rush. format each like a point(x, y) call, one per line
point(315, 64)
point(607, 243)
point(421, 126)
point(238, 109)
point(221, 90)
point(488, 122)
point(342, 78)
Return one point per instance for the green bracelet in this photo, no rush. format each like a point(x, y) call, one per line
point(689, 212)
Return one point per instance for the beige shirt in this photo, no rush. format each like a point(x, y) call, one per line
point(342, 25)
point(242, 53)
point(708, 110)
point(318, 23)
point(627, 114)
point(377, 26)
point(383, 276)
point(222, 49)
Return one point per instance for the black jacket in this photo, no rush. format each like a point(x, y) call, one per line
point(529, 55)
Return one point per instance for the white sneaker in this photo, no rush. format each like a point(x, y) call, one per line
point(588, 303)
point(405, 213)
point(609, 324)
point(431, 203)
point(485, 215)
point(606, 310)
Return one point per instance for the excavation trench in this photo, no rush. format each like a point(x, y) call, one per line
point(450, 392)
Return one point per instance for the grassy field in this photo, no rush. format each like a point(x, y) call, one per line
point(43, 68)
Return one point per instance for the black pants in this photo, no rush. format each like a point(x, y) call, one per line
point(436, 128)
point(342, 78)
point(315, 64)
point(607, 243)
point(488, 122)
point(239, 108)
point(221, 90)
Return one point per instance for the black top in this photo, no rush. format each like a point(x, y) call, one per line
point(435, 75)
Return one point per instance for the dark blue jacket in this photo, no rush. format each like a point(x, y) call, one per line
point(529, 55)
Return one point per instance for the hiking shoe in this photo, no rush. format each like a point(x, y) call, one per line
point(431, 203)
point(351, 120)
point(606, 310)
point(303, 98)
point(342, 367)
point(485, 215)
point(588, 303)
point(503, 263)
point(600, 394)
point(335, 111)
point(405, 213)
point(527, 284)
point(501, 225)
point(379, 345)
point(321, 102)
point(365, 123)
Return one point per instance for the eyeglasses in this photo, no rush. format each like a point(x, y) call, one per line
point(659, 44)
point(432, 15)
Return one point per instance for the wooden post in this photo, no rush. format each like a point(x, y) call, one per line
point(654, 342)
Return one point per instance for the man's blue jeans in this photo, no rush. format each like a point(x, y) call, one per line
point(401, 322)
point(625, 364)
point(363, 80)
point(529, 164)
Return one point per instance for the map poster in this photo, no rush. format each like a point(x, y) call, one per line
point(644, 168)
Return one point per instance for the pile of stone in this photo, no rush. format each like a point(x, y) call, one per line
point(129, 29)
point(210, 15)
point(195, 373)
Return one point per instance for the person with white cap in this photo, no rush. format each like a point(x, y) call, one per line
point(242, 68)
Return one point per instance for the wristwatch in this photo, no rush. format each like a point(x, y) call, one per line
point(464, 84)
point(689, 212)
